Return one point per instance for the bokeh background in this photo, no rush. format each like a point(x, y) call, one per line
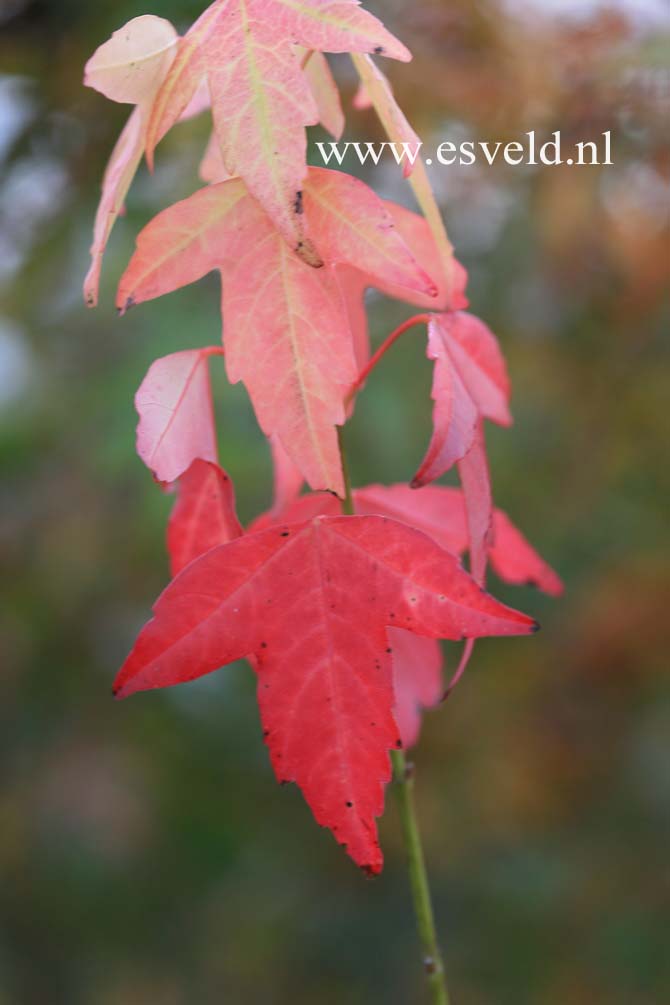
point(146, 853)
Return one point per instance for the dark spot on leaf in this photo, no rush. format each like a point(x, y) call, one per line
point(389, 650)
point(379, 50)
point(264, 645)
point(297, 204)
point(285, 533)
point(349, 804)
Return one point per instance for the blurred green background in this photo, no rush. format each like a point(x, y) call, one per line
point(146, 853)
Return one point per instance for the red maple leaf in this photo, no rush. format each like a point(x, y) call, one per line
point(204, 515)
point(311, 603)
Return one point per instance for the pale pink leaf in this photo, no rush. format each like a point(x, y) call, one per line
point(132, 64)
point(174, 403)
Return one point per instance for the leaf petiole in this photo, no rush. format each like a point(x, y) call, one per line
point(418, 319)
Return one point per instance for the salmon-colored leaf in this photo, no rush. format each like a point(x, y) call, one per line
point(286, 327)
point(311, 602)
point(419, 238)
point(261, 98)
point(352, 226)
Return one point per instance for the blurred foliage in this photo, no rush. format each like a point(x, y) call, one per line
point(146, 854)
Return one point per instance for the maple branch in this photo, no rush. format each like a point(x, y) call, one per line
point(403, 774)
point(418, 319)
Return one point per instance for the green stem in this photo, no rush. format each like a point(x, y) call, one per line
point(403, 775)
point(348, 501)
